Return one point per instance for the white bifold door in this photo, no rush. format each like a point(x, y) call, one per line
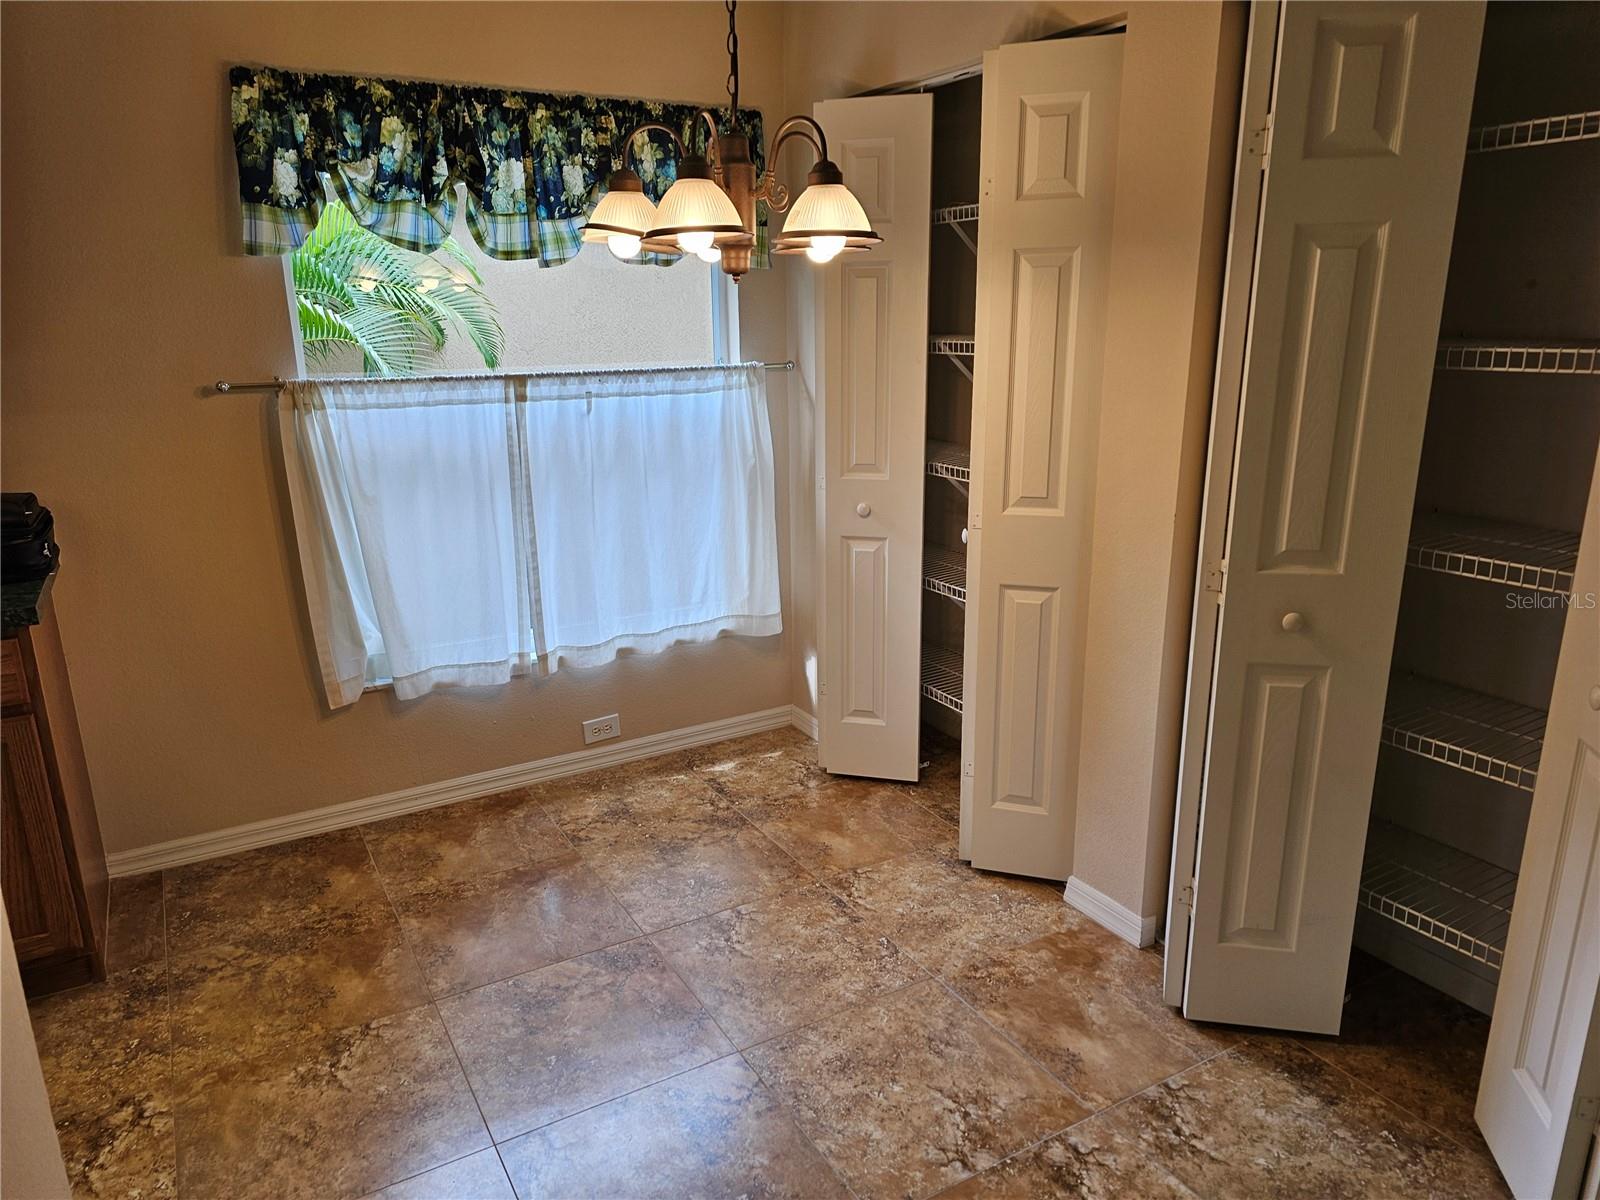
point(1540, 1096)
point(872, 344)
point(1048, 168)
point(1363, 154)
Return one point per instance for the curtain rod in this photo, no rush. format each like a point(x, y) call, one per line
point(223, 388)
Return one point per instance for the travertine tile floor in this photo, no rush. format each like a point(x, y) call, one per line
point(719, 973)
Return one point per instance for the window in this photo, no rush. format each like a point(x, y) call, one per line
point(582, 313)
point(605, 489)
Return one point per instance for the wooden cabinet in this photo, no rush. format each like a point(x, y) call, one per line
point(52, 865)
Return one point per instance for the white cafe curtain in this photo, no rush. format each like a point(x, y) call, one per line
point(462, 531)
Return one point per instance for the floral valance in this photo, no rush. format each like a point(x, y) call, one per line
point(534, 163)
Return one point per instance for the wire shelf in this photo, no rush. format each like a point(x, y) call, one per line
point(945, 571)
point(1484, 735)
point(1519, 556)
point(950, 461)
point(1450, 897)
point(1524, 359)
point(941, 676)
point(955, 214)
point(1538, 131)
point(951, 344)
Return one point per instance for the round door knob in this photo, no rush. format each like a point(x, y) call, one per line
point(1594, 698)
point(963, 536)
point(1293, 622)
point(863, 510)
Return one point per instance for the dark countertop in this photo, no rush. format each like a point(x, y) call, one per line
point(20, 600)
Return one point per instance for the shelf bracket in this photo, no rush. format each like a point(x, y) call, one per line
point(958, 216)
point(955, 347)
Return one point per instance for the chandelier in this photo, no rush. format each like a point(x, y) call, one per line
point(710, 210)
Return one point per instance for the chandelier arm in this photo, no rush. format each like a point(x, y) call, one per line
point(773, 192)
point(627, 147)
point(796, 127)
point(713, 142)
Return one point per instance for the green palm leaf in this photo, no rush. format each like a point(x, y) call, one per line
point(396, 306)
point(316, 281)
point(454, 249)
point(322, 331)
point(474, 314)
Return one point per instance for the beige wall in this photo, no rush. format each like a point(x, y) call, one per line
point(30, 1153)
point(1167, 261)
point(124, 290)
point(1181, 72)
point(179, 595)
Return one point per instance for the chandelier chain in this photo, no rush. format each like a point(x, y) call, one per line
point(733, 65)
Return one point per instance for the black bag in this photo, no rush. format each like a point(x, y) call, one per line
point(26, 528)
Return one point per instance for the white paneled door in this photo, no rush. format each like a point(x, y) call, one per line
point(1540, 1096)
point(872, 323)
point(1367, 135)
point(1048, 166)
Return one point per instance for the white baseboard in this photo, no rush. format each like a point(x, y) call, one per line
point(1119, 919)
point(805, 722)
point(486, 783)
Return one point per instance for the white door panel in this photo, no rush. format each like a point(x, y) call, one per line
point(873, 323)
point(1048, 165)
point(1544, 1043)
point(1260, 52)
point(1369, 121)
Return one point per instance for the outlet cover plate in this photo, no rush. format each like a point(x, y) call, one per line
point(601, 729)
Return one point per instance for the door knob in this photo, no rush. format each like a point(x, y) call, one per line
point(1594, 698)
point(863, 510)
point(1293, 622)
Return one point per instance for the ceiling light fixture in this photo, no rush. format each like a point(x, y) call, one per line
point(710, 211)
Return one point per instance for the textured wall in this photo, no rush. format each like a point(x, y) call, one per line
point(125, 290)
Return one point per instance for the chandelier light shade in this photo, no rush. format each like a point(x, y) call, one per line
point(826, 220)
point(696, 216)
point(623, 216)
point(710, 209)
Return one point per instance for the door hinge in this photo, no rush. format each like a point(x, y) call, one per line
point(1215, 580)
point(1258, 143)
point(1186, 897)
point(1587, 1108)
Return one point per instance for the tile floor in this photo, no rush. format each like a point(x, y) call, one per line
point(718, 973)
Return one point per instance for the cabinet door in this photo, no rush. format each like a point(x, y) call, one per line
point(1048, 164)
point(1369, 122)
point(873, 343)
point(33, 864)
point(1544, 1043)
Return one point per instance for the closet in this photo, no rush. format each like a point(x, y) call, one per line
point(952, 319)
point(959, 371)
point(1507, 461)
point(1394, 730)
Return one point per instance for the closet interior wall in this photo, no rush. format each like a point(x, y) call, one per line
point(952, 310)
point(1502, 490)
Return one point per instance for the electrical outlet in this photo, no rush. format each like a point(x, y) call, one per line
point(601, 729)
